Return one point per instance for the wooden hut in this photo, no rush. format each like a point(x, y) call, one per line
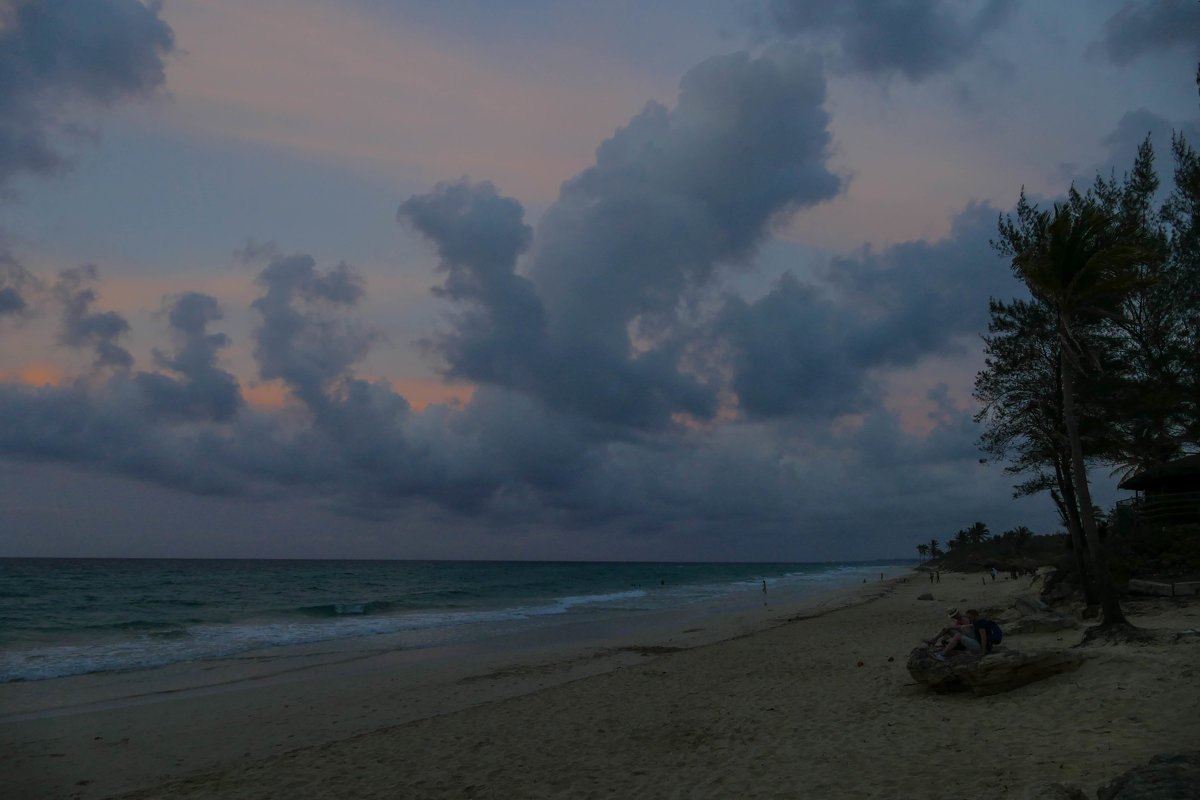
point(1168, 494)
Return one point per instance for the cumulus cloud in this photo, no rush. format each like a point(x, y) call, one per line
point(1122, 142)
point(204, 391)
point(499, 336)
point(598, 326)
point(1134, 127)
point(299, 344)
point(1138, 29)
point(913, 38)
point(56, 54)
point(618, 388)
point(82, 327)
point(808, 350)
point(15, 285)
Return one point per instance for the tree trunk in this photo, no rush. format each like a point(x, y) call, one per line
point(1110, 606)
point(1070, 515)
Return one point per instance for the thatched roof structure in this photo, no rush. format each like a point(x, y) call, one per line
point(1180, 475)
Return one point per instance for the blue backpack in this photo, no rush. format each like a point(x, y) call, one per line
point(995, 635)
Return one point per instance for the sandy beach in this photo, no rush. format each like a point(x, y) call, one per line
point(805, 700)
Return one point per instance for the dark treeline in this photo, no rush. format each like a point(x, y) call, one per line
point(976, 547)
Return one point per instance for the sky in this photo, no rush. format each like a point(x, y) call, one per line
point(671, 280)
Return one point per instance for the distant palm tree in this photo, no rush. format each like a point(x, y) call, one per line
point(1019, 536)
point(978, 533)
point(934, 550)
point(923, 549)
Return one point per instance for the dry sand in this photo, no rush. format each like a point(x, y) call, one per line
point(809, 702)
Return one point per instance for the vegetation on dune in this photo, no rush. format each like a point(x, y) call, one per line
point(975, 548)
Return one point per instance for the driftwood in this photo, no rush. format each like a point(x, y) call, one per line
point(999, 671)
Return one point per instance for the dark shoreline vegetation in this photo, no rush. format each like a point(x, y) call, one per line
point(1097, 367)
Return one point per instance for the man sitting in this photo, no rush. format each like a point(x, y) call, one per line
point(962, 635)
point(987, 632)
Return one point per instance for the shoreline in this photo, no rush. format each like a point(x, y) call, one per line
point(145, 617)
point(754, 704)
point(63, 730)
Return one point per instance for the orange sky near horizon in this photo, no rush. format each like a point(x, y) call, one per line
point(420, 393)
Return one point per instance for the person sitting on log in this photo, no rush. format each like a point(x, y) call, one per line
point(960, 635)
point(987, 632)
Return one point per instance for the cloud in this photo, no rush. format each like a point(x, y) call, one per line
point(913, 38)
point(298, 344)
point(205, 392)
point(1122, 142)
point(1133, 128)
point(499, 337)
point(1151, 26)
point(598, 327)
point(81, 327)
point(617, 388)
point(57, 53)
point(15, 285)
point(809, 350)
point(507, 458)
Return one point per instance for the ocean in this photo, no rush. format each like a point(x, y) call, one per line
point(62, 617)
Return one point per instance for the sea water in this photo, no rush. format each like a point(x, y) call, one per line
point(63, 617)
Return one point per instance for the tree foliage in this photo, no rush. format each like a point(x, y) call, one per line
point(1099, 365)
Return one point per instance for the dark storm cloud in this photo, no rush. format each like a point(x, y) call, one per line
point(789, 354)
point(11, 301)
point(15, 285)
point(297, 342)
point(254, 251)
point(506, 458)
point(598, 329)
point(56, 53)
point(605, 317)
point(599, 345)
point(1121, 146)
point(353, 442)
point(82, 327)
point(916, 297)
point(499, 336)
point(914, 38)
point(808, 350)
point(205, 392)
point(1134, 127)
point(1151, 26)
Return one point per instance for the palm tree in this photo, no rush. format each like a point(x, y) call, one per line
point(1019, 536)
point(978, 533)
point(923, 550)
point(1074, 269)
point(934, 550)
